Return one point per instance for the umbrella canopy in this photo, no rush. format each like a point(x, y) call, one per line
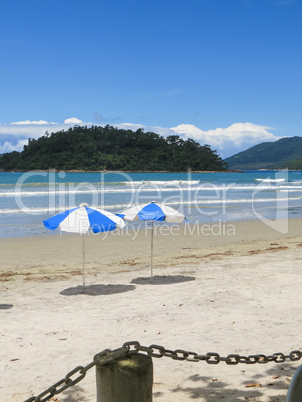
point(152, 211)
point(83, 220)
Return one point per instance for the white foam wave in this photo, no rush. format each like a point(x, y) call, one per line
point(92, 190)
point(121, 207)
point(54, 210)
point(268, 180)
point(290, 190)
point(162, 182)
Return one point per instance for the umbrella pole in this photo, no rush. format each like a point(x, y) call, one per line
point(152, 233)
point(83, 262)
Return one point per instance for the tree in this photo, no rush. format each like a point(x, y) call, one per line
point(98, 148)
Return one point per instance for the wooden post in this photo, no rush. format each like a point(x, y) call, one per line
point(126, 379)
point(294, 393)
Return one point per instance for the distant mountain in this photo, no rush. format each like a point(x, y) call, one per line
point(281, 154)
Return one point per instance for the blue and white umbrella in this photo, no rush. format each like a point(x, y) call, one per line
point(152, 211)
point(84, 220)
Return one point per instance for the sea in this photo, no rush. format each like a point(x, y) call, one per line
point(28, 198)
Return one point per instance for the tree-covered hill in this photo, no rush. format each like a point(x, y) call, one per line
point(100, 148)
point(281, 154)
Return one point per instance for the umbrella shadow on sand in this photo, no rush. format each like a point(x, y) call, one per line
point(6, 306)
point(97, 290)
point(163, 280)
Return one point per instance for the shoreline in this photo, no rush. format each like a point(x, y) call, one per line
point(170, 241)
point(223, 294)
point(121, 171)
point(235, 170)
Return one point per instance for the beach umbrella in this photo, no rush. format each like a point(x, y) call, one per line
point(152, 211)
point(84, 220)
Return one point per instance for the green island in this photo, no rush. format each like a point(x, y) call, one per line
point(108, 148)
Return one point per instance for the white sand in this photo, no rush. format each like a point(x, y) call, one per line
point(225, 294)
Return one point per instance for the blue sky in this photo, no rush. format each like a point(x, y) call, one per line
point(224, 72)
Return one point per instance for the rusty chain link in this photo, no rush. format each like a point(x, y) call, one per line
point(157, 351)
point(100, 359)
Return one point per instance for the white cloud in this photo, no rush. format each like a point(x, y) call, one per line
point(73, 120)
point(22, 123)
point(13, 136)
point(226, 141)
point(130, 126)
point(9, 147)
point(230, 140)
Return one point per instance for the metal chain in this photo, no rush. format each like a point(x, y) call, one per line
point(212, 358)
point(157, 351)
point(102, 358)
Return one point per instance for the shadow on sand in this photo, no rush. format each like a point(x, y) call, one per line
point(163, 280)
point(97, 290)
point(207, 388)
point(6, 306)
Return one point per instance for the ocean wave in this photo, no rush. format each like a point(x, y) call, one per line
point(180, 203)
point(101, 183)
point(268, 180)
point(162, 182)
point(92, 190)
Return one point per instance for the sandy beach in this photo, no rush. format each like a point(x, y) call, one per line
point(228, 289)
